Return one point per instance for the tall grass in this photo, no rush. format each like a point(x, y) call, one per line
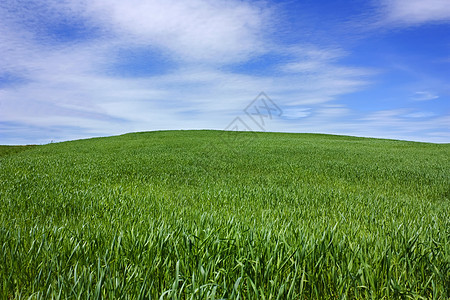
point(200, 215)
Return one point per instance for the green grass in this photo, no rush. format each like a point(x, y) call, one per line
point(7, 150)
point(216, 215)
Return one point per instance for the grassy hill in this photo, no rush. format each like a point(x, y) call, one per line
point(6, 150)
point(222, 215)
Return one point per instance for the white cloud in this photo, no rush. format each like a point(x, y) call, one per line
point(296, 113)
point(398, 125)
point(203, 31)
point(197, 31)
point(384, 114)
point(424, 96)
point(421, 114)
point(414, 12)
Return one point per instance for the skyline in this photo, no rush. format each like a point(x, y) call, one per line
point(80, 69)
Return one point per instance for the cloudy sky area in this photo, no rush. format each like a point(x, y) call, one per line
point(76, 69)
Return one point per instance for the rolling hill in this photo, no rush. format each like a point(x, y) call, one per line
point(225, 215)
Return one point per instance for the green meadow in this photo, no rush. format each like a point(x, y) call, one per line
point(225, 215)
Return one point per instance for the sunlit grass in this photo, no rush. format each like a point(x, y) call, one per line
point(213, 215)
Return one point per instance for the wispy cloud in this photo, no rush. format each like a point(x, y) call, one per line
point(415, 12)
point(76, 69)
point(421, 114)
point(424, 96)
point(191, 31)
point(399, 124)
point(73, 84)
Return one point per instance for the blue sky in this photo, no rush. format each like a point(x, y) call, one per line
point(78, 69)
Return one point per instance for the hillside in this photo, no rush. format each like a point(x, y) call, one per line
point(6, 150)
point(213, 214)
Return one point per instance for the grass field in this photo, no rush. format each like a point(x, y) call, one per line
point(226, 215)
point(6, 150)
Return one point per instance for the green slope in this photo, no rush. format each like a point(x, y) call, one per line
point(7, 150)
point(211, 214)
